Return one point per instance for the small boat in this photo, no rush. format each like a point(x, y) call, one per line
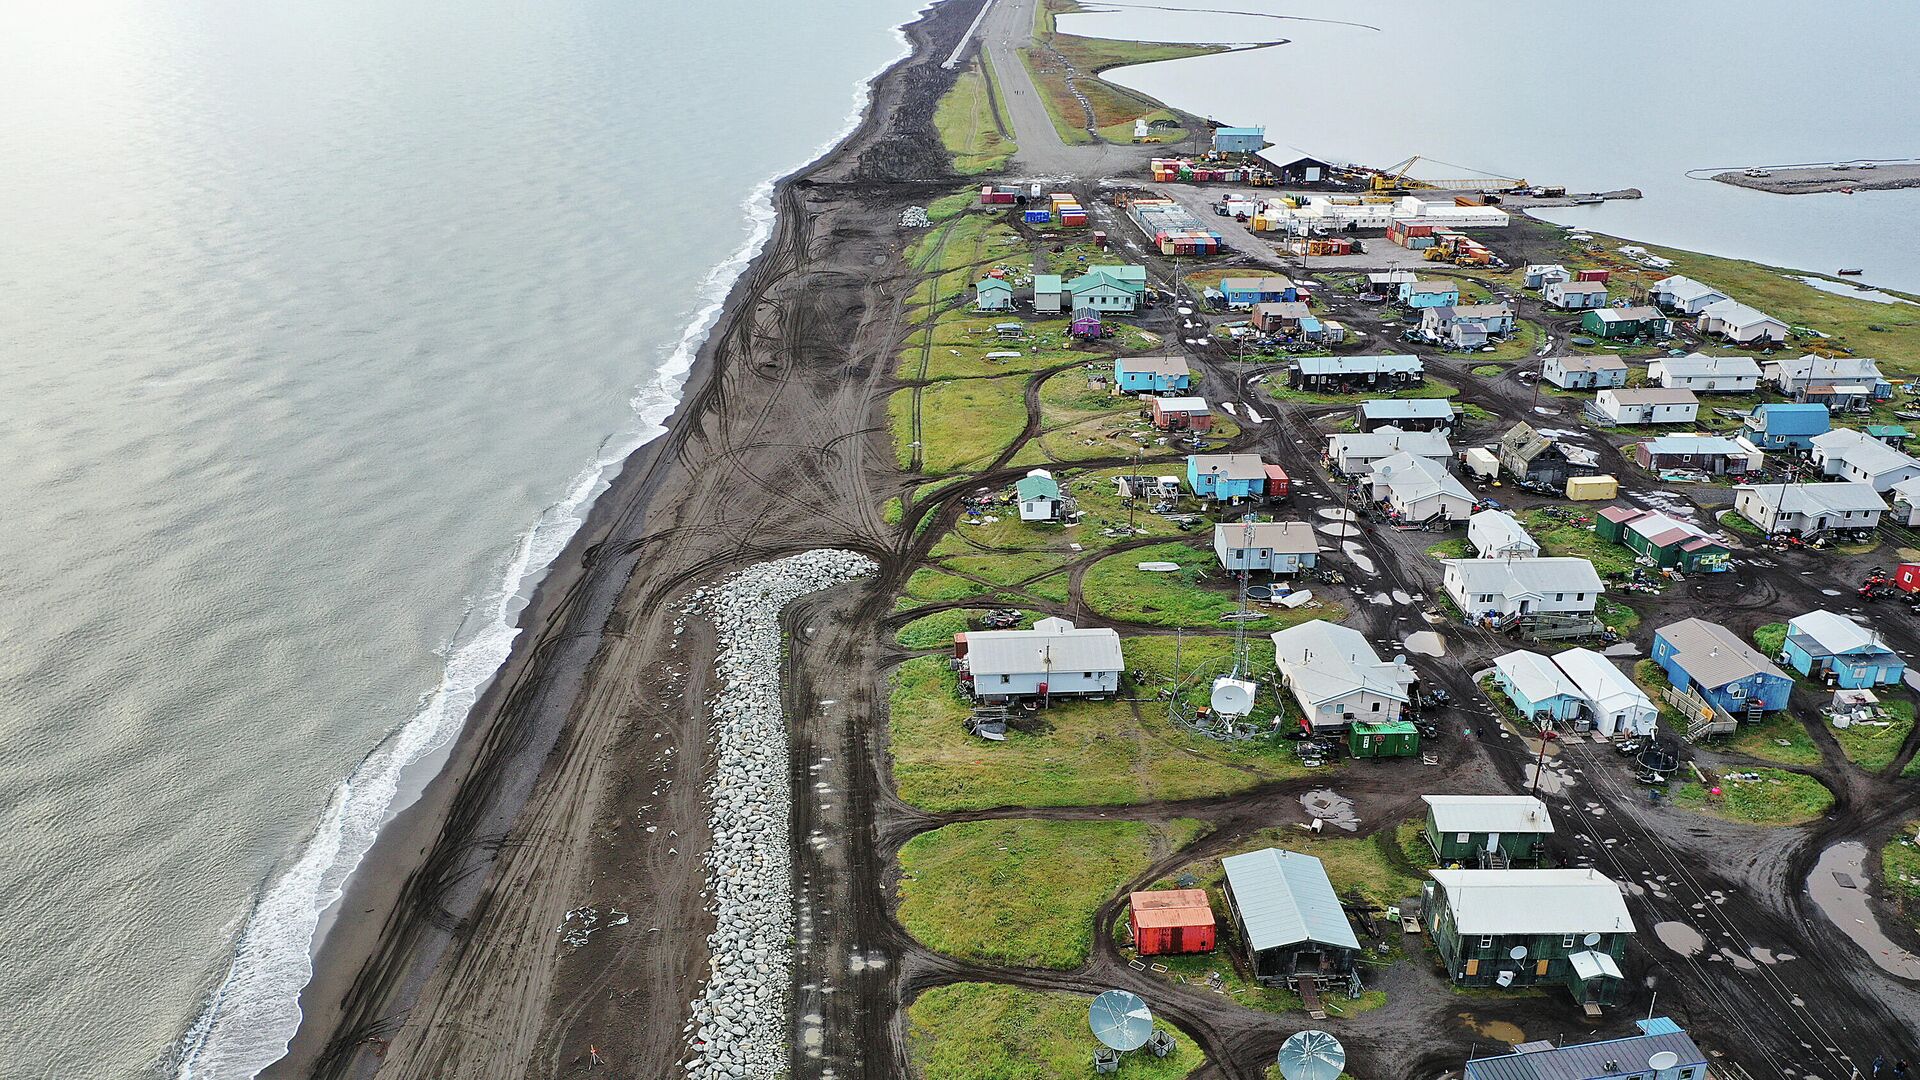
point(1157, 567)
point(1851, 271)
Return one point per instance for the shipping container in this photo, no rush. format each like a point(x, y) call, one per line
point(1481, 463)
point(1038, 217)
point(1591, 488)
point(1171, 921)
point(1278, 486)
point(1593, 275)
point(1395, 738)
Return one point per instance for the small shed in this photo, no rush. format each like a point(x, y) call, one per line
point(1171, 922)
point(1038, 494)
point(1290, 922)
point(1487, 830)
point(1180, 414)
point(1049, 294)
point(993, 294)
point(1391, 738)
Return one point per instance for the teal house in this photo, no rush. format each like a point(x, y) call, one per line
point(1108, 288)
point(993, 294)
point(1822, 645)
point(1429, 294)
point(1537, 687)
point(1152, 374)
point(1226, 477)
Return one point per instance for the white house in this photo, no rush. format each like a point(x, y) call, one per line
point(1540, 275)
point(1335, 677)
point(1552, 586)
point(1575, 295)
point(1706, 374)
point(1614, 703)
point(1354, 453)
point(1419, 489)
point(1652, 405)
point(1054, 659)
point(1584, 372)
point(1847, 454)
point(1038, 494)
point(1740, 324)
point(1810, 508)
point(1494, 534)
point(1684, 295)
point(1279, 547)
point(1906, 501)
point(1796, 376)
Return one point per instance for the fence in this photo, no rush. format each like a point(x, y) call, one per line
point(1703, 717)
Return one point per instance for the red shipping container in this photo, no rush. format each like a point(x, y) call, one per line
point(1907, 577)
point(1171, 921)
point(1277, 483)
point(1593, 275)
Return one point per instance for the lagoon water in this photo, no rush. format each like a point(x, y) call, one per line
point(1633, 94)
point(321, 325)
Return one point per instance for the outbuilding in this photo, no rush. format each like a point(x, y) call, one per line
point(1049, 294)
point(1651, 405)
point(1163, 374)
point(1171, 922)
point(993, 294)
point(1575, 295)
point(1281, 548)
point(1779, 425)
point(1038, 494)
point(1290, 922)
point(1720, 666)
point(1494, 534)
point(1584, 372)
point(1507, 928)
point(1840, 652)
point(1180, 413)
point(1487, 830)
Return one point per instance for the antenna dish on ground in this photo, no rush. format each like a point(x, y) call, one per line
point(1591, 940)
point(1662, 1061)
point(1518, 952)
point(1232, 696)
point(1312, 1055)
point(1121, 1020)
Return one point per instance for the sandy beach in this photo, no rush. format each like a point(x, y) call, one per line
point(444, 961)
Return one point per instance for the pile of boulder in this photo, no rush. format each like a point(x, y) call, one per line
point(740, 1025)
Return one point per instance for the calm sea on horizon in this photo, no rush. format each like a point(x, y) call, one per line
point(322, 323)
point(1632, 95)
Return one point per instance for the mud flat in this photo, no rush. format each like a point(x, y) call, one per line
point(1813, 179)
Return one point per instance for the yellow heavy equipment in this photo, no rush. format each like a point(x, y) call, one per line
point(1395, 178)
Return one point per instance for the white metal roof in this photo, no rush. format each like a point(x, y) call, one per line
point(1412, 478)
point(1496, 530)
point(1694, 365)
point(1285, 898)
point(1037, 651)
point(1505, 814)
point(1512, 577)
point(1835, 633)
point(1323, 661)
point(1589, 963)
point(1533, 901)
point(1181, 404)
point(1862, 451)
point(1407, 409)
point(1383, 442)
point(1600, 682)
point(1828, 368)
point(1832, 497)
point(1684, 289)
point(1736, 314)
point(1653, 395)
point(1535, 676)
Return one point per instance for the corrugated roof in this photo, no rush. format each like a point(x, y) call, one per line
point(1685, 289)
point(1171, 907)
point(1736, 314)
point(1653, 395)
point(1590, 363)
point(1389, 364)
point(1600, 682)
point(1386, 441)
point(1433, 286)
point(1409, 409)
point(1835, 633)
point(1694, 365)
point(1506, 814)
point(1862, 451)
point(1285, 537)
point(1533, 901)
point(1284, 898)
point(1028, 652)
point(1628, 1057)
point(1230, 466)
point(1155, 365)
point(1046, 283)
point(1831, 497)
point(1534, 676)
point(1496, 530)
point(1512, 577)
point(1412, 478)
point(1713, 655)
point(1181, 404)
point(1693, 444)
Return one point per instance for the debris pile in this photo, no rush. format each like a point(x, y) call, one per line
point(740, 1023)
point(915, 217)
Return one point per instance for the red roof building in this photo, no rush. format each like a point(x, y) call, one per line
point(1171, 921)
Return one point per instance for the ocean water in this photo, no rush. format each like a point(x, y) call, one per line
point(1635, 93)
point(320, 326)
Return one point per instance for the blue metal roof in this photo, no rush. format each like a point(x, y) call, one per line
point(1628, 1057)
point(1780, 418)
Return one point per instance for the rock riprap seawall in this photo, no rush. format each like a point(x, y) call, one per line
point(740, 1024)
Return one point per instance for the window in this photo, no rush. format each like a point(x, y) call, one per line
point(1375, 707)
point(1559, 597)
point(1088, 674)
point(1566, 941)
point(1005, 679)
point(1461, 838)
point(1486, 941)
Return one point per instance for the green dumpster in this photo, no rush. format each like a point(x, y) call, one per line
point(1396, 738)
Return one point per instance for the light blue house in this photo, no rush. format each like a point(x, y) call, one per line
point(1839, 651)
point(1244, 292)
point(1778, 425)
point(1538, 688)
point(1226, 477)
point(1239, 140)
point(1429, 294)
point(1152, 374)
point(993, 294)
point(1714, 662)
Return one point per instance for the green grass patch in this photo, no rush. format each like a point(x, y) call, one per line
point(1457, 548)
point(1023, 892)
point(1872, 746)
point(1489, 371)
point(966, 422)
point(1564, 538)
point(1004, 568)
point(1653, 679)
point(1780, 738)
point(947, 206)
point(1618, 617)
point(927, 585)
point(1734, 522)
point(991, 1031)
point(1778, 797)
point(1900, 871)
point(1196, 595)
point(893, 511)
point(936, 631)
point(970, 125)
point(1770, 639)
point(1076, 753)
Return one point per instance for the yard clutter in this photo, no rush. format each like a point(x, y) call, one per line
point(1336, 678)
point(1808, 511)
point(1169, 922)
point(1172, 228)
point(1054, 659)
point(1840, 652)
point(1038, 494)
point(1487, 831)
point(1540, 462)
point(1509, 928)
point(1290, 922)
point(1666, 541)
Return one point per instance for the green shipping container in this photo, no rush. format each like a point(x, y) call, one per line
point(1397, 738)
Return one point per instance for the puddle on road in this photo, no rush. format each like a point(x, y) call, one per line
point(1359, 556)
point(1337, 514)
point(1331, 807)
point(1426, 643)
point(1680, 937)
point(1499, 1030)
point(1848, 909)
point(1552, 781)
point(1400, 597)
point(1334, 528)
point(1737, 960)
point(1625, 648)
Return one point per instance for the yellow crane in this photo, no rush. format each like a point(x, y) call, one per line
point(1395, 178)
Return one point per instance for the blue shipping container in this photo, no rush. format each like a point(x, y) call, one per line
point(1039, 217)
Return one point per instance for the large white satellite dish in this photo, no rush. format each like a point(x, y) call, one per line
point(1591, 940)
point(1121, 1020)
point(1312, 1055)
point(1518, 952)
point(1662, 1061)
point(1233, 697)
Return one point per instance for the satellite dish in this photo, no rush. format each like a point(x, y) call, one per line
point(1662, 1061)
point(1591, 940)
point(1518, 952)
point(1233, 697)
point(1121, 1020)
point(1312, 1055)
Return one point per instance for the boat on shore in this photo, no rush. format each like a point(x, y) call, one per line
point(1851, 271)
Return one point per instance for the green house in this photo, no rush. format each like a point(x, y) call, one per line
point(1395, 738)
point(1669, 543)
point(1507, 928)
point(1625, 323)
point(1487, 830)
